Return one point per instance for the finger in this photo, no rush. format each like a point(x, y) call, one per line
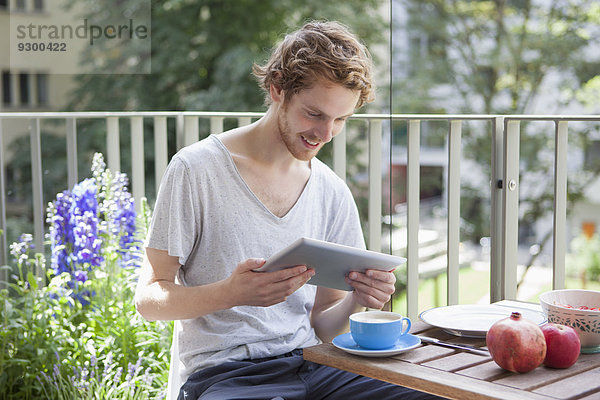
point(372, 276)
point(369, 301)
point(287, 287)
point(288, 273)
point(371, 296)
point(378, 292)
point(367, 282)
point(268, 291)
point(384, 276)
point(251, 264)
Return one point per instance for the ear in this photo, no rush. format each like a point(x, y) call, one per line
point(277, 94)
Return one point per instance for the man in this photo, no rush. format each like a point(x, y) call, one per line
point(228, 202)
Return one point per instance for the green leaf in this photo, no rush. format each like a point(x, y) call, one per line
point(31, 278)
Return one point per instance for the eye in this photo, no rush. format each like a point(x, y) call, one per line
point(313, 114)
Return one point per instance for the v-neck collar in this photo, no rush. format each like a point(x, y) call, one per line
point(242, 182)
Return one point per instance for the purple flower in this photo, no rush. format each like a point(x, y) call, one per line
point(107, 365)
point(83, 298)
point(80, 276)
point(61, 235)
point(85, 194)
point(133, 370)
point(98, 212)
point(117, 377)
point(84, 212)
point(86, 246)
point(125, 220)
point(122, 217)
point(74, 234)
point(148, 378)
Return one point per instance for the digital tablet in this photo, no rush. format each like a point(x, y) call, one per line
point(332, 262)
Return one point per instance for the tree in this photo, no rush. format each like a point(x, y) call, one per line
point(203, 50)
point(202, 53)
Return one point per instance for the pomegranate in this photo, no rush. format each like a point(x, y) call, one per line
point(516, 344)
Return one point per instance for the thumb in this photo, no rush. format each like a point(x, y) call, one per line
point(251, 264)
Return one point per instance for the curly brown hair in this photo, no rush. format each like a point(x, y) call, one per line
point(325, 51)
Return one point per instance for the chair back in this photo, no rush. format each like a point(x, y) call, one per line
point(176, 365)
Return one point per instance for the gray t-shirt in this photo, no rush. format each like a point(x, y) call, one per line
point(206, 215)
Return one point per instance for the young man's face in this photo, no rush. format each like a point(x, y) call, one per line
point(312, 117)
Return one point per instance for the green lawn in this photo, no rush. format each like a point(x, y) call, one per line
point(570, 283)
point(474, 285)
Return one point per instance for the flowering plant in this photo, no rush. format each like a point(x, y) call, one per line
point(89, 223)
point(79, 336)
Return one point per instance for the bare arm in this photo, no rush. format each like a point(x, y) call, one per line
point(329, 316)
point(158, 297)
point(332, 308)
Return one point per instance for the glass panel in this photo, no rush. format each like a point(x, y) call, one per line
point(583, 202)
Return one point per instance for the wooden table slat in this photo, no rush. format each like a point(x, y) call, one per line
point(573, 386)
point(488, 371)
point(454, 362)
point(424, 354)
point(545, 376)
point(592, 396)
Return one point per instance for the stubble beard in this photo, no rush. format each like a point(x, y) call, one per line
point(290, 139)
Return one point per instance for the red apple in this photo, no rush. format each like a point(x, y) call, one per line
point(562, 345)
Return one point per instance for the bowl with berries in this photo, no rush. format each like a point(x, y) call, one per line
point(578, 308)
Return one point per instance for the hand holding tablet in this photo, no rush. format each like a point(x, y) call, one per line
point(332, 262)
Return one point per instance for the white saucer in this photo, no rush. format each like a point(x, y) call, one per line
point(346, 343)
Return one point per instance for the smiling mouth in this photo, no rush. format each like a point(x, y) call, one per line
point(310, 142)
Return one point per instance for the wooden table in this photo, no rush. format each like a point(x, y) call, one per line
point(458, 374)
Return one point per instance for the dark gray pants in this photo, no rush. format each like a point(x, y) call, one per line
point(288, 377)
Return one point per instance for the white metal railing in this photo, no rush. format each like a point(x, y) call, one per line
point(504, 188)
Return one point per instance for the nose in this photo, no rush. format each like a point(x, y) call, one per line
point(327, 130)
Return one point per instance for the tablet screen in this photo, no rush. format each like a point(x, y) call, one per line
point(332, 262)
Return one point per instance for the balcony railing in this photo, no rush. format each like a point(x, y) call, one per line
point(504, 131)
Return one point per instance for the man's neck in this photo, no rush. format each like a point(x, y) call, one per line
point(266, 165)
point(261, 143)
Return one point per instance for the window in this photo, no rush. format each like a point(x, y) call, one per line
point(592, 156)
point(3, 4)
point(20, 5)
point(42, 89)
point(38, 5)
point(24, 88)
point(6, 88)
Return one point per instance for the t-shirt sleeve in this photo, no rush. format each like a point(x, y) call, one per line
point(345, 227)
point(174, 225)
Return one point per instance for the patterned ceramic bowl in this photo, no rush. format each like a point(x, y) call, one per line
point(577, 308)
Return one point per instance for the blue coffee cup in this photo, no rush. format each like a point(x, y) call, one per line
point(377, 330)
